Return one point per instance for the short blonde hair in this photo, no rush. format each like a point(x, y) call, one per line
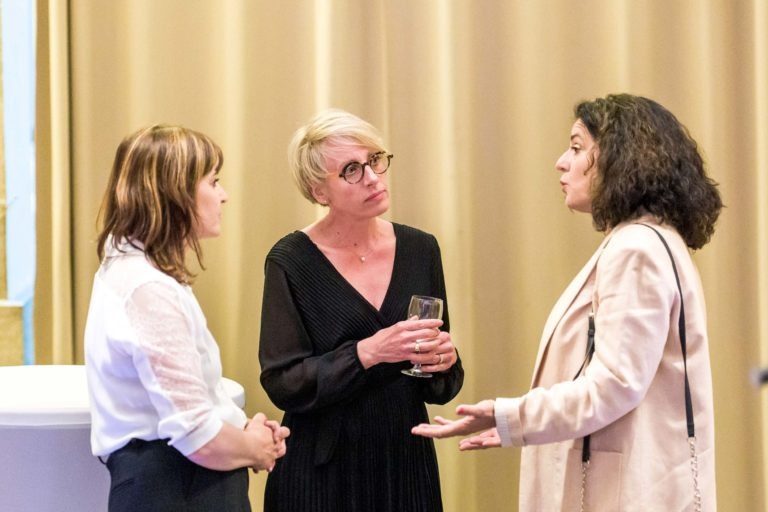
point(151, 194)
point(307, 150)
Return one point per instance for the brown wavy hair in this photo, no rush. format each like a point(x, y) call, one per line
point(150, 197)
point(648, 163)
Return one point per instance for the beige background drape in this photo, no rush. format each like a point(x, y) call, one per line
point(475, 99)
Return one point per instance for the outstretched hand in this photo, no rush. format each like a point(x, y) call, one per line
point(475, 418)
point(488, 439)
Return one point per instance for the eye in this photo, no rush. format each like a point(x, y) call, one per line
point(374, 160)
point(352, 171)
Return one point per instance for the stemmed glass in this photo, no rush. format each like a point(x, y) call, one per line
point(423, 307)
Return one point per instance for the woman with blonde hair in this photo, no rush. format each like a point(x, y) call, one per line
point(172, 437)
point(335, 336)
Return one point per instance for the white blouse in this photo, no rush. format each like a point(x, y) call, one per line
point(153, 367)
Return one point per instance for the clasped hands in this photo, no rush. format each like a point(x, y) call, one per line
point(270, 440)
point(474, 419)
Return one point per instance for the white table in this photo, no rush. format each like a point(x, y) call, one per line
point(45, 454)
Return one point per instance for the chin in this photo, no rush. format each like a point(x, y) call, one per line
point(383, 206)
point(209, 233)
point(578, 206)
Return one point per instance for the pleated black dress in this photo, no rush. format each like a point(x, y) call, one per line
point(350, 447)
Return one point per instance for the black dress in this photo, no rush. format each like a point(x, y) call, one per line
point(350, 447)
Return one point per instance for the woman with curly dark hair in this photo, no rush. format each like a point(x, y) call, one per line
point(620, 414)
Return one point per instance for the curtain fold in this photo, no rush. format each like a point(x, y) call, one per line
point(475, 100)
point(760, 63)
point(53, 317)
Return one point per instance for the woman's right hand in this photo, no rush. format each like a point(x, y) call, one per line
point(398, 343)
point(474, 418)
point(268, 441)
point(258, 445)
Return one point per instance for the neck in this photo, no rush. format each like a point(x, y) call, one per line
point(359, 238)
point(344, 233)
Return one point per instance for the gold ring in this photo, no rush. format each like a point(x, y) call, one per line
point(440, 360)
point(417, 350)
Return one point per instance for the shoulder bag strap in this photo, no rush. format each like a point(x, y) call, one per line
point(697, 505)
point(681, 328)
point(585, 450)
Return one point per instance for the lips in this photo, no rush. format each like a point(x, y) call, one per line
point(375, 195)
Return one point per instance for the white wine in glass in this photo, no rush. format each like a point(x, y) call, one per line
point(423, 307)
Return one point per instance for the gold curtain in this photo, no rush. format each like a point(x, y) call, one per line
point(53, 316)
point(475, 99)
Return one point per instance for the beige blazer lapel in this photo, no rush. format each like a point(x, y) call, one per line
point(562, 305)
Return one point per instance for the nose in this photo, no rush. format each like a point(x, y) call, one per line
point(368, 175)
point(562, 163)
point(223, 194)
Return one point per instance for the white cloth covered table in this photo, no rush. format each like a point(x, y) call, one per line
point(45, 456)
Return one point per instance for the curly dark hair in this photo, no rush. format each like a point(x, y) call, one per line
point(648, 163)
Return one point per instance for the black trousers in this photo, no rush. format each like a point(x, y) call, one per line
point(150, 476)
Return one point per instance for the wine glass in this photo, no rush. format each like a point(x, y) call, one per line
point(423, 307)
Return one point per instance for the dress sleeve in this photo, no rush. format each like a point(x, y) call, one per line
point(294, 377)
point(635, 295)
point(443, 386)
point(169, 366)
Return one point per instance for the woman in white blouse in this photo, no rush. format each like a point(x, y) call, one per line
point(173, 438)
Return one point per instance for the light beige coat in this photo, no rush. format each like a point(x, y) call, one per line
point(631, 396)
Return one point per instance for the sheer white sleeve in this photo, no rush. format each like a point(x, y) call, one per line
point(168, 360)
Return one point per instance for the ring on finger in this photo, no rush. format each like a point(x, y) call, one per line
point(417, 349)
point(440, 359)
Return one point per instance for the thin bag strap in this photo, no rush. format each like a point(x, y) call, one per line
point(590, 344)
point(585, 449)
point(681, 328)
point(591, 329)
point(688, 402)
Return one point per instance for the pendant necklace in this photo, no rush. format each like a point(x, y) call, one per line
point(339, 237)
point(362, 257)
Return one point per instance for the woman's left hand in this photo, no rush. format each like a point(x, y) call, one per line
point(476, 418)
point(488, 439)
point(443, 357)
point(279, 433)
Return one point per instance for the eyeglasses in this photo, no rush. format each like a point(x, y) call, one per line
point(353, 172)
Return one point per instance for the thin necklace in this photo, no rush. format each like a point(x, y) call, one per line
point(352, 248)
point(362, 257)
